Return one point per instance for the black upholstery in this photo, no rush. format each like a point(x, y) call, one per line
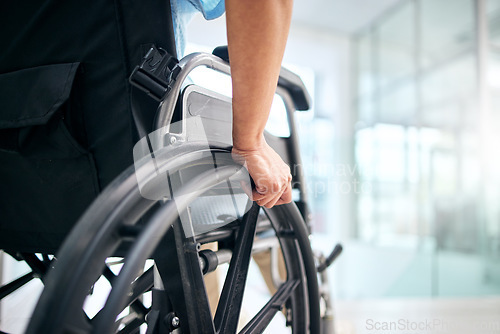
point(66, 124)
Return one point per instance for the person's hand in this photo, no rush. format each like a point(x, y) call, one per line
point(270, 174)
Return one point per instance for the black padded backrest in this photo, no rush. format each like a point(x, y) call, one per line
point(56, 160)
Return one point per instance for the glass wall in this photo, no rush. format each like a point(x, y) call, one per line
point(428, 101)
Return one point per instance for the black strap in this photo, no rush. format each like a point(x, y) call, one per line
point(145, 23)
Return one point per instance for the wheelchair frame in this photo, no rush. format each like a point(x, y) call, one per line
point(179, 297)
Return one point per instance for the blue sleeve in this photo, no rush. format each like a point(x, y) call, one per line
point(183, 11)
point(211, 9)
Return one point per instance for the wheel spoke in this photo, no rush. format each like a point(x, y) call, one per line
point(38, 266)
point(108, 274)
point(132, 326)
point(228, 310)
point(267, 313)
point(7, 289)
point(139, 286)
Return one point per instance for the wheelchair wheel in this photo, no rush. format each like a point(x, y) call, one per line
point(121, 223)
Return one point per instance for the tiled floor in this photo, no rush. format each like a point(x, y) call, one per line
point(408, 316)
point(419, 316)
point(383, 316)
point(16, 308)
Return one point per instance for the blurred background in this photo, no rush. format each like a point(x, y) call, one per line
point(401, 152)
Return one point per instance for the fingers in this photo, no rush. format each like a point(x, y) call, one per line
point(286, 197)
point(269, 172)
point(277, 198)
point(270, 199)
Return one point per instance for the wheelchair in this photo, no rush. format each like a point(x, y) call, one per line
point(144, 236)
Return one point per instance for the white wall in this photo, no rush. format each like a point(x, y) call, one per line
point(329, 55)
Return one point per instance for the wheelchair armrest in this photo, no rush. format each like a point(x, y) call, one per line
point(287, 79)
point(295, 86)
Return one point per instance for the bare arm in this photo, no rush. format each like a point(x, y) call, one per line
point(257, 33)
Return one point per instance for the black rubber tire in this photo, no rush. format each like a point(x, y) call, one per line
point(96, 237)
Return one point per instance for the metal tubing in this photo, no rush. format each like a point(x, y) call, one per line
point(187, 64)
point(228, 310)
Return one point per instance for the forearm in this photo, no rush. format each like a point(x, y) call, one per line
point(257, 33)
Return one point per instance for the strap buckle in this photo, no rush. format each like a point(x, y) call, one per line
point(156, 74)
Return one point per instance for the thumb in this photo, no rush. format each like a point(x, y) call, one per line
point(261, 189)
